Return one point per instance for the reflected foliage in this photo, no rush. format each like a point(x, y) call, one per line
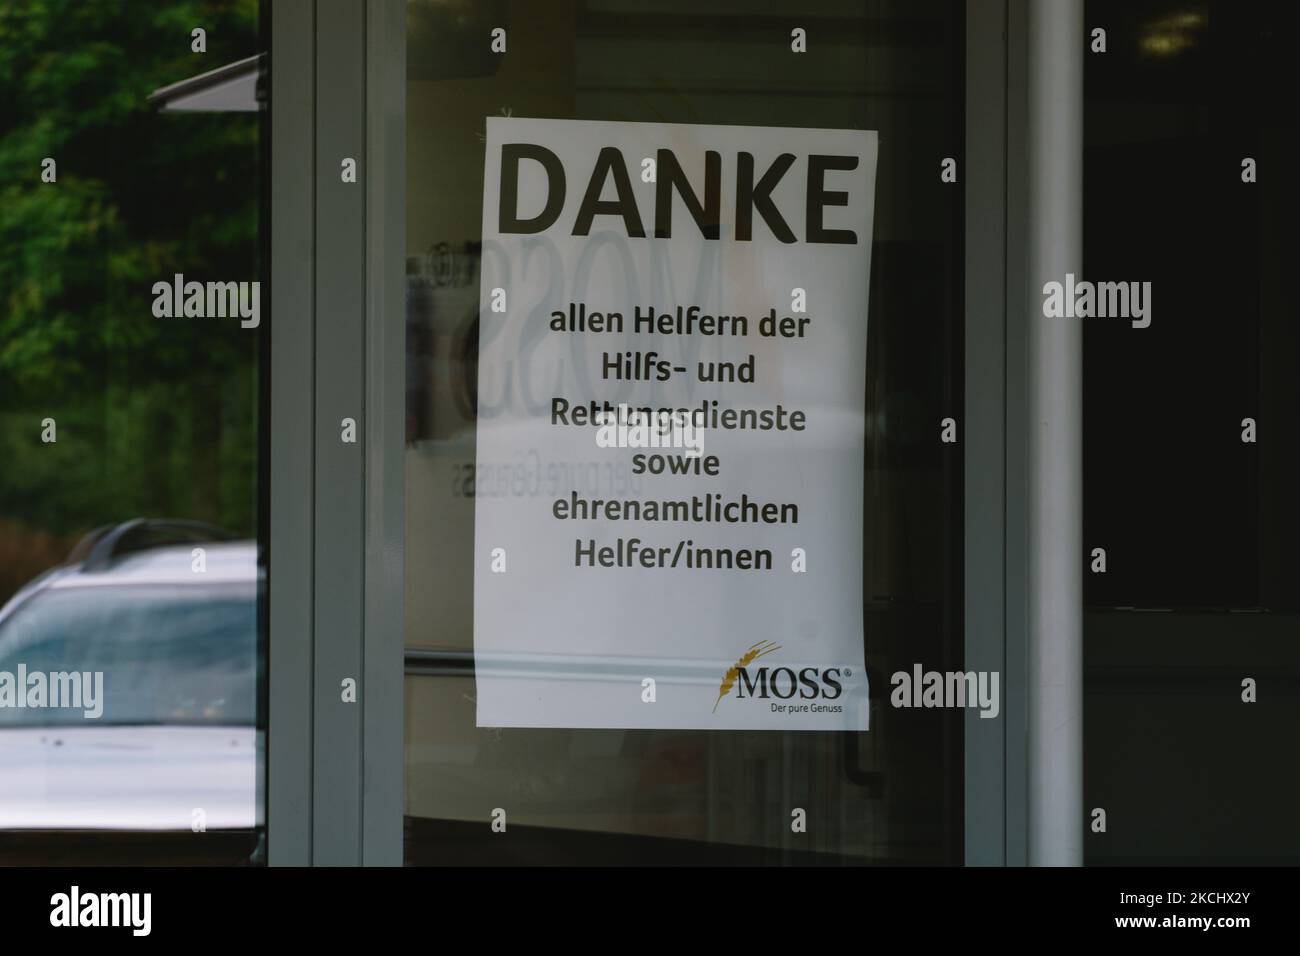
point(154, 416)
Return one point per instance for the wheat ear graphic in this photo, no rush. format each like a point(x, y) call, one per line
point(751, 655)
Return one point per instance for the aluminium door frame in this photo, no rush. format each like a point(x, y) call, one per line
point(983, 435)
point(288, 756)
point(336, 584)
point(335, 789)
point(997, 425)
point(996, 464)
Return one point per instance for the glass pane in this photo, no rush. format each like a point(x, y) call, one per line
point(131, 376)
point(679, 791)
point(1191, 436)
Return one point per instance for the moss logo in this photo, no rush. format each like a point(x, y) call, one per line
point(783, 683)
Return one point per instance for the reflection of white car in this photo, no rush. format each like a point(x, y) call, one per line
point(176, 746)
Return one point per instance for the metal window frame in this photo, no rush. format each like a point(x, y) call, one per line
point(384, 757)
point(985, 433)
point(335, 768)
point(292, 332)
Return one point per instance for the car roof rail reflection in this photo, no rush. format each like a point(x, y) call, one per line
point(100, 547)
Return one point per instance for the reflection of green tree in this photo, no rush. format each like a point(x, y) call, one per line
point(155, 416)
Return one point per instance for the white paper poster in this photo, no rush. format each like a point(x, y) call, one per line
point(672, 355)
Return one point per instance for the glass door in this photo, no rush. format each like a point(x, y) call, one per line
point(592, 188)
